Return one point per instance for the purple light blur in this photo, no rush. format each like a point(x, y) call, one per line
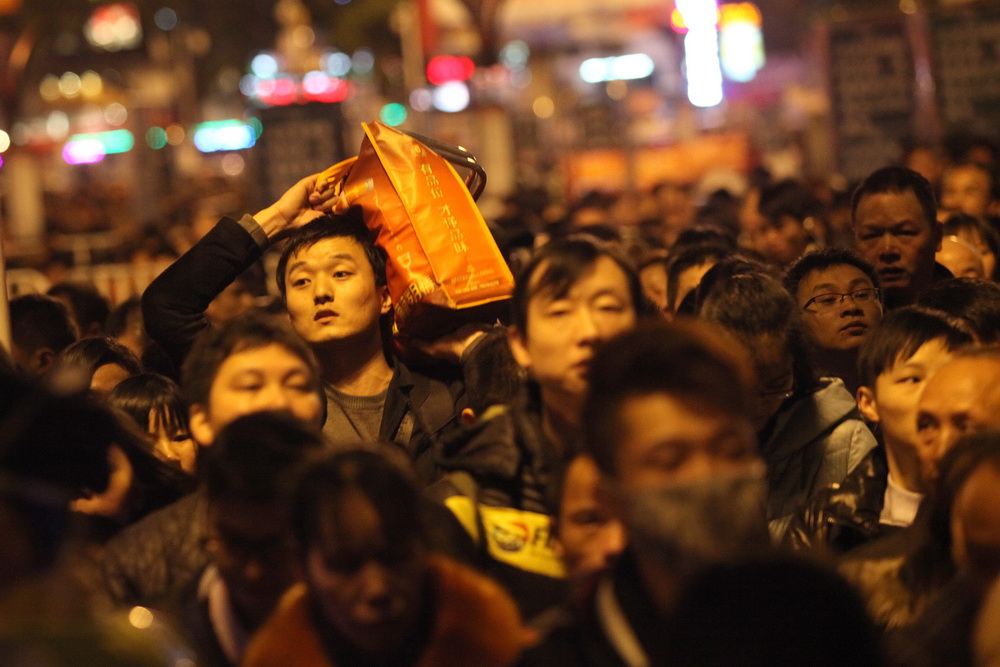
point(83, 151)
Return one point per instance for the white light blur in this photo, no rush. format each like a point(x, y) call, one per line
point(702, 67)
point(421, 99)
point(57, 126)
point(116, 114)
point(315, 82)
point(4, 141)
point(233, 164)
point(264, 65)
point(69, 84)
point(363, 61)
point(452, 97)
point(337, 64)
point(616, 68)
point(741, 48)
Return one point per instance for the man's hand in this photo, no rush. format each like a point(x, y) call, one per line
point(294, 209)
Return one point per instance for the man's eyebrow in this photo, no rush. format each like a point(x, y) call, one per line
point(338, 256)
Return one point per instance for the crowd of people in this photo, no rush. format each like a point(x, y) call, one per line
point(759, 429)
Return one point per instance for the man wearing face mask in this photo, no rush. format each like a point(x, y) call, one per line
point(667, 420)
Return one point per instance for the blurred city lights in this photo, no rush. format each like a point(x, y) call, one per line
point(69, 84)
point(363, 61)
point(421, 100)
point(393, 114)
point(515, 55)
point(4, 141)
point(224, 135)
point(83, 151)
point(444, 69)
point(156, 138)
point(741, 43)
point(451, 97)
point(232, 164)
point(49, 88)
point(336, 64)
point(615, 68)
point(165, 18)
point(115, 114)
point(57, 126)
point(264, 65)
point(543, 107)
point(702, 67)
point(258, 127)
point(175, 135)
point(113, 27)
point(112, 141)
point(91, 84)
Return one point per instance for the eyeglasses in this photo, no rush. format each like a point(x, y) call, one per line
point(827, 302)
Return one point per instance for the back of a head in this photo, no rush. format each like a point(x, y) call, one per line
point(688, 257)
point(897, 180)
point(249, 332)
point(79, 361)
point(366, 473)
point(146, 393)
point(902, 332)
point(774, 611)
point(789, 198)
point(90, 309)
point(40, 321)
point(747, 304)
point(688, 360)
point(492, 376)
point(973, 300)
point(256, 458)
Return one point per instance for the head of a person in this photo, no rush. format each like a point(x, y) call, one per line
point(962, 398)
point(97, 363)
point(332, 278)
point(686, 268)
point(974, 301)
point(493, 379)
point(906, 348)
point(362, 548)
point(759, 312)
point(155, 404)
point(837, 292)
point(978, 233)
point(960, 257)
point(41, 327)
point(668, 422)
point(250, 475)
point(967, 188)
point(972, 469)
point(53, 449)
point(573, 295)
point(89, 308)
point(793, 218)
point(251, 364)
point(588, 537)
point(125, 326)
point(653, 277)
point(896, 230)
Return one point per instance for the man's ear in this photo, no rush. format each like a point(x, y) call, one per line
point(201, 429)
point(41, 361)
point(866, 404)
point(386, 299)
point(518, 347)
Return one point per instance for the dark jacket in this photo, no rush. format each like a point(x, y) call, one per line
point(845, 515)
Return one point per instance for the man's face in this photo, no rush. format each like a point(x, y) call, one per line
point(664, 439)
point(895, 237)
point(563, 333)
point(892, 402)
point(588, 536)
point(786, 238)
point(961, 398)
point(368, 586)
point(263, 378)
point(834, 322)
point(250, 545)
point(330, 292)
point(966, 189)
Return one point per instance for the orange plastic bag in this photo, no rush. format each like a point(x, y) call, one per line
point(443, 266)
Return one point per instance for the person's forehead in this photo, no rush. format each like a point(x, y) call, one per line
point(649, 420)
point(966, 175)
point(328, 248)
point(603, 273)
point(835, 274)
point(962, 381)
point(874, 206)
point(263, 358)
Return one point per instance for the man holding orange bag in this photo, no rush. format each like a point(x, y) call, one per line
point(332, 278)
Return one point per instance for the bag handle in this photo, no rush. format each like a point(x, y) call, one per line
point(475, 178)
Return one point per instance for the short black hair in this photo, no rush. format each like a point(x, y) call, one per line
point(689, 360)
point(973, 300)
point(819, 260)
point(256, 458)
point(899, 335)
point(750, 303)
point(492, 376)
point(559, 265)
point(251, 331)
point(146, 393)
point(86, 355)
point(789, 198)
point(38, 321)
point(89, 307)
point(703, 235)
point(386, 483)
point(687, 258)
point(897, 180)
point(350, 224)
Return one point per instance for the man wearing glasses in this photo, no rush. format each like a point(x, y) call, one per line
point(837, 292)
